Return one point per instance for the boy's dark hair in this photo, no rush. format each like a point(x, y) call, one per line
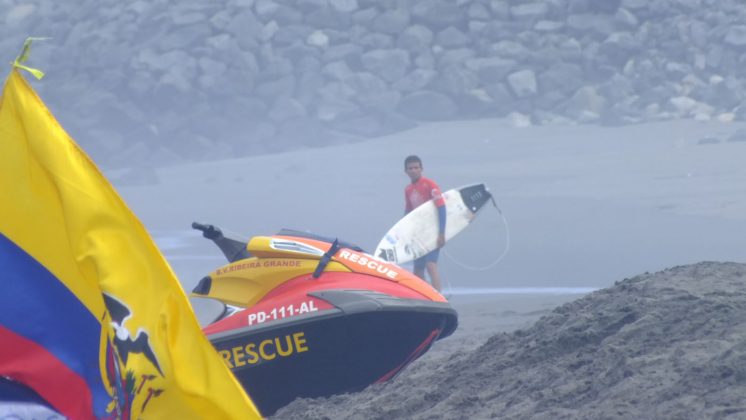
point(412, 159)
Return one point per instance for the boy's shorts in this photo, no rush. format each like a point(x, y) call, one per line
point(421, 262)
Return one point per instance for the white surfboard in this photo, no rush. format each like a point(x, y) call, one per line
point(416, 234)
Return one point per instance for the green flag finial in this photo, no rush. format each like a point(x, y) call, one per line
point(23, 56)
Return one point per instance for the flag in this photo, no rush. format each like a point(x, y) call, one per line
point(92, 318)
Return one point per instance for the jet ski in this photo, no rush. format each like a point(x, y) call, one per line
point(308, 316)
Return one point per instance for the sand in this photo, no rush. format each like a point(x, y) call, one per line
point(666, 345)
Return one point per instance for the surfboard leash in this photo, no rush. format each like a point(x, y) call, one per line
point(496, 261)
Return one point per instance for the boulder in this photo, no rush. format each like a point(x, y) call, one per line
point(390, 64)
point(523, 83)
point(427, 105)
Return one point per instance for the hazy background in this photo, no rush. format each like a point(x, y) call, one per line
point(610, 131)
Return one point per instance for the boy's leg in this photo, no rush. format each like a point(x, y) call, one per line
point(432, 271)
point(419, 267)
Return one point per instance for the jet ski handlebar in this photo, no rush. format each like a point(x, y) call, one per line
point(208, 231)
point(233, 249)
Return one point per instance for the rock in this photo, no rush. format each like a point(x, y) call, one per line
point(336, 91)
point(417, 79)
point(491, 70)
point(304, 131)
point(683, 105)
point(390, 64)
point(427, 105)
point(500, 9)
point(451, 37)
point(365, 16)
point(344, 6)
point(475, 103)
point(548, 26)
point(268, 31)
point(565, 77)
point(438, 14)
point(523, 83)
point(392, 22)
point(549, 100)
point(608, 7)
point(342, 52)
point(289, 34)
point(376, 41)
point(454, 57)
point(455, 80)
point(529, 11)
point(318, 38)
point(736, 36)
point(329, 17)
point(626, 19)
point(186, 36)
point(510, 49)
point(286, 108)
point(586, 104)
point(415, 38)
point(211, 68)
point(519, 120)
point(338, 70)
point(478, 11)
point(635, 4)
point(288, 15)
point(337, 109)
point(360, 125)
point(306, 6)
point(283, 86)
point(601, 25)
point(501, 100)
point(266, 9)
point(619, 47)
point(366, 84)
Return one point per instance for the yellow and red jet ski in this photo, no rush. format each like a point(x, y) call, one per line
point(306, 316)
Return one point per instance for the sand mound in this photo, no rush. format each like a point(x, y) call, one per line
point(666, 345)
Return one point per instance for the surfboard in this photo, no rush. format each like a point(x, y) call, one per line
point(416, 234)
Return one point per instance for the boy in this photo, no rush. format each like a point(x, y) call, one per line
point(419, 191)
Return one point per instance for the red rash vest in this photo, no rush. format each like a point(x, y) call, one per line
point(420, 192)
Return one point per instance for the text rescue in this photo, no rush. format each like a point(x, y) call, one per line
point(266, 350)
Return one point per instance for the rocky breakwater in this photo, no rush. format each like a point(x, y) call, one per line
point(163, 80)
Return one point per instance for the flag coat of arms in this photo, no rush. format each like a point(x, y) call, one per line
point(92, 318)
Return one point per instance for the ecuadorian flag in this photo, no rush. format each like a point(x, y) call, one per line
point(92, 318)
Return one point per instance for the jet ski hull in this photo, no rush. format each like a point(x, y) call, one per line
point(366, 337)
point(320, 316)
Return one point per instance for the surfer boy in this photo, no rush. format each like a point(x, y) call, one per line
point(419, 191)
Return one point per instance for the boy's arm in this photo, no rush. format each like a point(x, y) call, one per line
point(441, 226)
point(441, 204)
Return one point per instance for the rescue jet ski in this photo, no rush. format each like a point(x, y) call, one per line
point(308, 316)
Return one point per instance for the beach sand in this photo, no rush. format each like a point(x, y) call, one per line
point(671, 344)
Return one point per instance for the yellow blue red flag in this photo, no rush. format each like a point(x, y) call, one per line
point(92, 318)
